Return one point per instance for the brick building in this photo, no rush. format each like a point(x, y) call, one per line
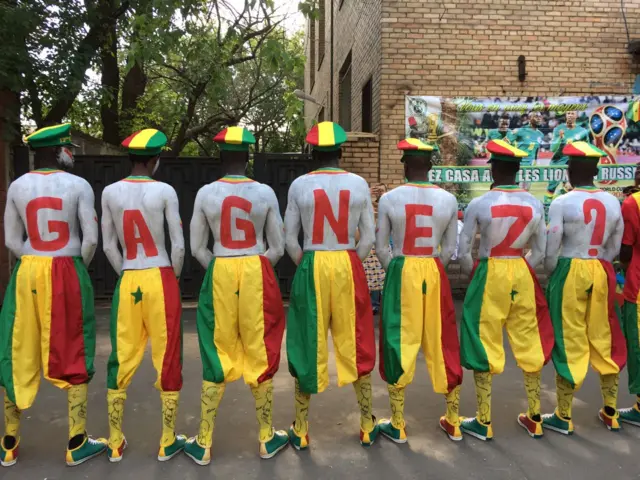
point(364, 56)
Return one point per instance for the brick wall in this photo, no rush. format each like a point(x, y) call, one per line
point(360, 155)
point(470, 47)
point(357, 30)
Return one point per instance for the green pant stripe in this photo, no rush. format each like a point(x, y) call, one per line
point(302, 326)
point(113, 364)
point(391, 330)
point(633, 346)
point(472, 351)
point(88, 315)
point(554, 294)
point(212, 370)
point(7, 321)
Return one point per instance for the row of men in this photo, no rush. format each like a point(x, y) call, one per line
point(47, 321)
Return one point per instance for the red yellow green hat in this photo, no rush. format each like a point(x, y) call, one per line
point(501, 150)
point(145, 142)
point(583, 151)
point(326, 137)
point(415, 147)
point(236, 139)
point(54, 136)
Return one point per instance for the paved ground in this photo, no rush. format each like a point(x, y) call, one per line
point(592, 453)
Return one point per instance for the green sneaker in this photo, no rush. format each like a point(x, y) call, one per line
point(368, 438)
point(397, 435)
point(299, 443)
point(553, 421)
point(196, 452)
point(630, 415)
point(278, 441)
point(476, 428)
point(170, 451)
point(90, 448)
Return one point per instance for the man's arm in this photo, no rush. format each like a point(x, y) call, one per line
point(292, 227)
point(467, 236)
point(13, 227)
point(367, 227)
point(274, 230)
point(554, 236)
point(88, 223)
point(557, 142)
point(199, 233)
point(383, 233)
point(172, 214)
point(449, 239)
point(538, 242)
point(631, 218)
point(109, 237)
point(612, 248)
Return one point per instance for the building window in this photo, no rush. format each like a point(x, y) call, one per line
point(312, 53)
point(367, 100)
point(344, 111)
point(321, 31)
point(321, 115)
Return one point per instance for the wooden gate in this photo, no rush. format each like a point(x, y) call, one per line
point(187, 175)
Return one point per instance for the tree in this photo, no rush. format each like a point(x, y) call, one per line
point(47, 48)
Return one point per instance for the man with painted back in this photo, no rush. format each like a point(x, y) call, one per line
point(330, 287)
point(147, 302)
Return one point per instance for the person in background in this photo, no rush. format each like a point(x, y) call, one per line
point(372, 267)
point(502, 132)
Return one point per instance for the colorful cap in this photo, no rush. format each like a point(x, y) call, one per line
point(501, 150)
point(54, 136)
point(145, 142)
point(326, 137)
point(415, 147)
point(235, 139)
point(583, 151)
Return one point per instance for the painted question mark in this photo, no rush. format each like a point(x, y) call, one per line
point(589, 206)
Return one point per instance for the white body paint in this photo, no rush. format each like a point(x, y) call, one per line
point(301, 208)
point(392, 220)
point(156, 201)
point(78, 211)
point(494, 230)
point(264, 215)
point(570, 234)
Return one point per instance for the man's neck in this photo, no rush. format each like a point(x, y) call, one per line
point(139, 171)
point(330, 165)
point(418, 177)
point(236, 172)
point(505, 182)
point(582, 183)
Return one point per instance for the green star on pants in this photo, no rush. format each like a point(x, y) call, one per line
point(513, 295)
point(137, 296)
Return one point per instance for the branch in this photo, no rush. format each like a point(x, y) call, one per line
point(80, 62)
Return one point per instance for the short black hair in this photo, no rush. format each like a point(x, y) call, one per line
point(505, 116)
point(508, 168)
point(143, 159)
point(326, 157)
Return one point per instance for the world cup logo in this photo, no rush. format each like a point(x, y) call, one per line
point(608, 126)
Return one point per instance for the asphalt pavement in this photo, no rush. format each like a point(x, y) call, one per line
point(335, 453)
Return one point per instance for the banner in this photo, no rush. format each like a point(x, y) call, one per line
point(461, 127)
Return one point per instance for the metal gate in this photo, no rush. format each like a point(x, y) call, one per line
point(187, 175)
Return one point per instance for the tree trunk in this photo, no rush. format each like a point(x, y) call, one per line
point(133, 88)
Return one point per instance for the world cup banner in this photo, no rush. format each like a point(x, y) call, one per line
point(542, 127)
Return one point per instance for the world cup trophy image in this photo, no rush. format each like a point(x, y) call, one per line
point(608, 126)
